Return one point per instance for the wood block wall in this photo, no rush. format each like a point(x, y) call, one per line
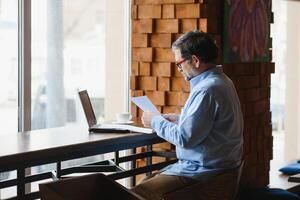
point(252, 81)
point(158, 23)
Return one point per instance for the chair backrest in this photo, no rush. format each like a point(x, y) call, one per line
point(222, 187)
point(88, 187)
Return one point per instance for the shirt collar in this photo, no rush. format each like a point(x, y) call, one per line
point(195, 80)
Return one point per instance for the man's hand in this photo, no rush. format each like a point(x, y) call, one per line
point(147, 118)
point(171, 117)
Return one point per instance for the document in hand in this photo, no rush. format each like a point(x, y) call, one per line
point(144, 103)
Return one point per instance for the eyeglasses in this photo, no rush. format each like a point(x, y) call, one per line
point(178, 64)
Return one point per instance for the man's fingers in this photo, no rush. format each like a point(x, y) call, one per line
point(146, 118)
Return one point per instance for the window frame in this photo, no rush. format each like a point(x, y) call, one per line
point(24, 65)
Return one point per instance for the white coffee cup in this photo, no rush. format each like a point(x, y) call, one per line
point(123, 117)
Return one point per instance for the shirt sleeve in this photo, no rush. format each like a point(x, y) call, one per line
point(195, 124)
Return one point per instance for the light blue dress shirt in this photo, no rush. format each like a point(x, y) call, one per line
point(209, 133)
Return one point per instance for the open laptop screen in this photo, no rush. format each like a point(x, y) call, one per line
point(87, 107)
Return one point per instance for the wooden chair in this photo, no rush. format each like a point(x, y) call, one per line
point(87, 187)
point(222, 187)
point(99, 187)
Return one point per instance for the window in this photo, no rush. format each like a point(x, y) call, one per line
point(8, 66)
point(278, 85)
point(278, 78)
point(71, 51)
point(9, 74)
point(285, 84)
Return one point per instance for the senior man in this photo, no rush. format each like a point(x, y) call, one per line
point(208, 132)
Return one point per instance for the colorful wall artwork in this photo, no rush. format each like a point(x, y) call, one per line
point(247, 31)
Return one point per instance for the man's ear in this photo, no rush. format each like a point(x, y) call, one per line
point(196, 61)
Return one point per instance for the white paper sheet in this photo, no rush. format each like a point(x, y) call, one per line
point(144, 103)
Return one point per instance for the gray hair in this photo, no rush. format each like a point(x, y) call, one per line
point(196, 43)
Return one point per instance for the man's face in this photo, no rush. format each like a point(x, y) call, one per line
point(185, 68)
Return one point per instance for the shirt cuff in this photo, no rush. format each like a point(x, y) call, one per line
point(156, 122)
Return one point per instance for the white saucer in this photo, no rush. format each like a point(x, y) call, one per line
point(128, 122)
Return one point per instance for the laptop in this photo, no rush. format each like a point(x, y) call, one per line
point(91, 118)
point(106, 128)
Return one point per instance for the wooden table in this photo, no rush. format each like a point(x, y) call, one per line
point(19, 151)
